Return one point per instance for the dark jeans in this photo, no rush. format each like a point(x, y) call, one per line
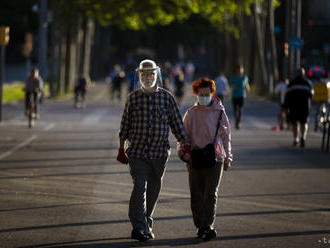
point(79, 92)
point(147, 175)
point(31, 98)
point(204, 186)
point(238, 104)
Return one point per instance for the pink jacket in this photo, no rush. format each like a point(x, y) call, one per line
point(200, 123)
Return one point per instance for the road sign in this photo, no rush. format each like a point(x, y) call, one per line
point(277, 29)
point(296, 43)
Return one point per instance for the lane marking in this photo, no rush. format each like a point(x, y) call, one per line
point(19, 146)
point(258, 123)
point(95, 117)
point(49, 126)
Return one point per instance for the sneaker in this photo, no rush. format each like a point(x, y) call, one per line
point(139, 235)
point(211, 234)
point(295, 143)
point(201, 232)
point(150, 235)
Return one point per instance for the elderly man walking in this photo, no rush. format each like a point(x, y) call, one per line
point(149, 113)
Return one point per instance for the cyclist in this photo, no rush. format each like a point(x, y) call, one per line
point(33, 89)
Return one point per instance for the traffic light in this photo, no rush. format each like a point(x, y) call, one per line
point(4, 35)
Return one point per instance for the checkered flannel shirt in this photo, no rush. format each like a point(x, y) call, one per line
point(146, 121)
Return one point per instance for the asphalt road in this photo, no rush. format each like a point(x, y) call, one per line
point(60, 184)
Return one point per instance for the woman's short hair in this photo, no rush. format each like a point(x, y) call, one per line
point(203, 83)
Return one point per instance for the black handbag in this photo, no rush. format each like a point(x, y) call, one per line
point(205, 157)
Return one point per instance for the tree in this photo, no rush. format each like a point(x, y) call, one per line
point(225, 15)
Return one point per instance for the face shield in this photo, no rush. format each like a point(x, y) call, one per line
point(148, 75)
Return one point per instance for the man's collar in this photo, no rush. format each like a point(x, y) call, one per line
point(150, 92)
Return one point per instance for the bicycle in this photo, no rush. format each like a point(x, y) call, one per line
point(31, 108)
point(322, 99)
point(320, 115)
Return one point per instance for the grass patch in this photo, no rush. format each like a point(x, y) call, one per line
point(14, 92)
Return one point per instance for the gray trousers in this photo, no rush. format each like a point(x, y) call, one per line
point(204, 186)
point(147, 175)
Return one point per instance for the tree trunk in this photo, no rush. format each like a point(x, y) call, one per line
point(86, 47)
point(54, 50)
point(292, 32)
point(252, 57)
point(274, 66)
point(260, 49)
point(71, 54)
point(285, 61)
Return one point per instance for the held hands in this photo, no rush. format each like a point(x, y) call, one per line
point(226, 166)
point(186, 155)
point(122, 156)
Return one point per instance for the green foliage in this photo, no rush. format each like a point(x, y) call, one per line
point(13, 92)
point(137, 15)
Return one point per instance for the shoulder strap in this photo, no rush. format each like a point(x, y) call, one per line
point(218, 125)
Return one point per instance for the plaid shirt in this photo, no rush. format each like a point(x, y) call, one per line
point(146, 121)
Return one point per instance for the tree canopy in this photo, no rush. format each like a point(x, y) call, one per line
point(139, 14)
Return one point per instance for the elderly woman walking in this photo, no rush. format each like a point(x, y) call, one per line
point(209, 133)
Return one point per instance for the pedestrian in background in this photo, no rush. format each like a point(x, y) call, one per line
point(179, 84)
point(149, 113)
point(80, 90)
point(280, 89)
point(117, 84)
point(221, 86)
point(189, 71)
point(298, 100)
point(240, 86)
point(207, 123)
point(130, 75)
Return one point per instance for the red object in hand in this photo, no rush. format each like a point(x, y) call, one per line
point(122, 156)
point(186, 150)
point(227, 166)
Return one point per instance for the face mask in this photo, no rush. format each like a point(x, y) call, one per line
point(204, 100)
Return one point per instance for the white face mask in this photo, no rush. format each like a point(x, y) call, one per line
point(204, 100)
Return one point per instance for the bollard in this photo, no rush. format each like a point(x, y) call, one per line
point(324, 134)
point(328, 139)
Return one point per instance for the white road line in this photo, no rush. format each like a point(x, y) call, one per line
point(258, 123)
point(95, 117)
point(19, 146)
point(49, 126)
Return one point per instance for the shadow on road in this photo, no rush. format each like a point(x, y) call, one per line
point(108, 243)
point(111, 222)
point(50, 159)
point(170, 242)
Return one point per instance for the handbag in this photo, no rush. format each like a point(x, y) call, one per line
point(202, 158)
